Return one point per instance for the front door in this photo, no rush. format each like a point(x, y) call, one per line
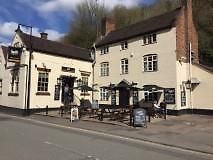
point(124, 97)
point(67, 91)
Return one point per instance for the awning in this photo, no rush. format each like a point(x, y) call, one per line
point(152, 87)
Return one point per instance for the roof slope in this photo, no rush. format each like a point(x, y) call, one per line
point(54, 48)
point(150, 25)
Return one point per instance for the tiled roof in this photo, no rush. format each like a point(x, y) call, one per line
point(144, 27)
point(54, 48)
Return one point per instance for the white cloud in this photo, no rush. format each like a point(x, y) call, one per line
point(7, 28)
point(7, 31)
point(50, 6)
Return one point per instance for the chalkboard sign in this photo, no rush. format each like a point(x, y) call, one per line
point(139, 117)
point(169, 95)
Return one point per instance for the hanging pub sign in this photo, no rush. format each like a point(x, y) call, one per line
point(169, 95)
point(14, 54)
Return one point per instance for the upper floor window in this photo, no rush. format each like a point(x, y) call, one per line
point(105, 50)
point(14, 85)
point(104, 94)
point(43, 79)
point(124, 66)
point(149, 39)
point(0, 86)
point(124, 45)
point(105, 69)
point(150, 63)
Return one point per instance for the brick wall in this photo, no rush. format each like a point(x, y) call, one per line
point(186, 33)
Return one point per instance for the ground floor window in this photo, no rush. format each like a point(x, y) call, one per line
point(104, 96)
point(183, 98)
point(0, 86)
point(150, 96)
point(113, 97)
point(43, 79)
point(14, 84)
point(135, 97)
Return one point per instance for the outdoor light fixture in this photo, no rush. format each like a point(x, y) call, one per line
point(188, 84)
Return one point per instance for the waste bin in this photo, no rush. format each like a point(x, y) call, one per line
point(139, 117)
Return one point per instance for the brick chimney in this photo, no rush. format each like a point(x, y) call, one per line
point(186, 32)
point(107, 25)
point(43, 35)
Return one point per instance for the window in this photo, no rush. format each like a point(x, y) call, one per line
point(105, 69)
point(135, 97)
point(14, 85)
point(0, 86)
point(104, 94)
point(84, 81)
point(105, 50)
point(124, 45)
point(43, 78)
point(183, 98)
point(124, 66)
point(150, 63)
point(113, 97)
point(150, 96)
point(149, 39)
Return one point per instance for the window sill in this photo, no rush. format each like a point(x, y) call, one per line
point(149, 44)
point(43, 93)
point(13, 94)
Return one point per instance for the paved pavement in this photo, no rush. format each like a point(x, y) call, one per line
point(191, 132)
point(23, 139)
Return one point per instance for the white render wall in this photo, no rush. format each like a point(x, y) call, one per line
point(54, 63)
point(165, 48)
point(202, 94)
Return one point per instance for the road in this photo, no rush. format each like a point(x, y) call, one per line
point(22, 139)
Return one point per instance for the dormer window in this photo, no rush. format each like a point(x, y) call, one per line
point(105, 50)
point(149, 39)
point(124, 45)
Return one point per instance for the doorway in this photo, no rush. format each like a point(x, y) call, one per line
point(124, 96)
point(67, 91)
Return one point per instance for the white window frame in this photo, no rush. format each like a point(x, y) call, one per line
point(124, 66)
point(105, 50)
point(150, 62)
point(104, 94)
point(104, 69)
point(14, 84)
point(124, 45)
point(149, 39)
point(43, 81)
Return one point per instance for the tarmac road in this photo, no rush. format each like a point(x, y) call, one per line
point(29, 140)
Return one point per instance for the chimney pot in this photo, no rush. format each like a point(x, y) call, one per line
point(43, 35)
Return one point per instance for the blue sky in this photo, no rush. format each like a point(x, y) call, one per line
point(51, 16)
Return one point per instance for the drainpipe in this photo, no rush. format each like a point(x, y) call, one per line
point(93, 71)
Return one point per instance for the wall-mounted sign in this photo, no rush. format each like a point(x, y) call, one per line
point(169, 95)
point(68, 69)
point(14, 54)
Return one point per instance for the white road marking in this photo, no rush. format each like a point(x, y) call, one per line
point(182, 149)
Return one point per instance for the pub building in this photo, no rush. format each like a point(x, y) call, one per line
point(34, 72)
point(154, 60)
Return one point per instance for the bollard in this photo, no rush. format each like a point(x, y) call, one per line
point(46, 110)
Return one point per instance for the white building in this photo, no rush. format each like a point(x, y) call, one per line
point(53, 65)
point(160, 55)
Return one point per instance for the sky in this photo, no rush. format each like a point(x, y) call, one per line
point(50, 16)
